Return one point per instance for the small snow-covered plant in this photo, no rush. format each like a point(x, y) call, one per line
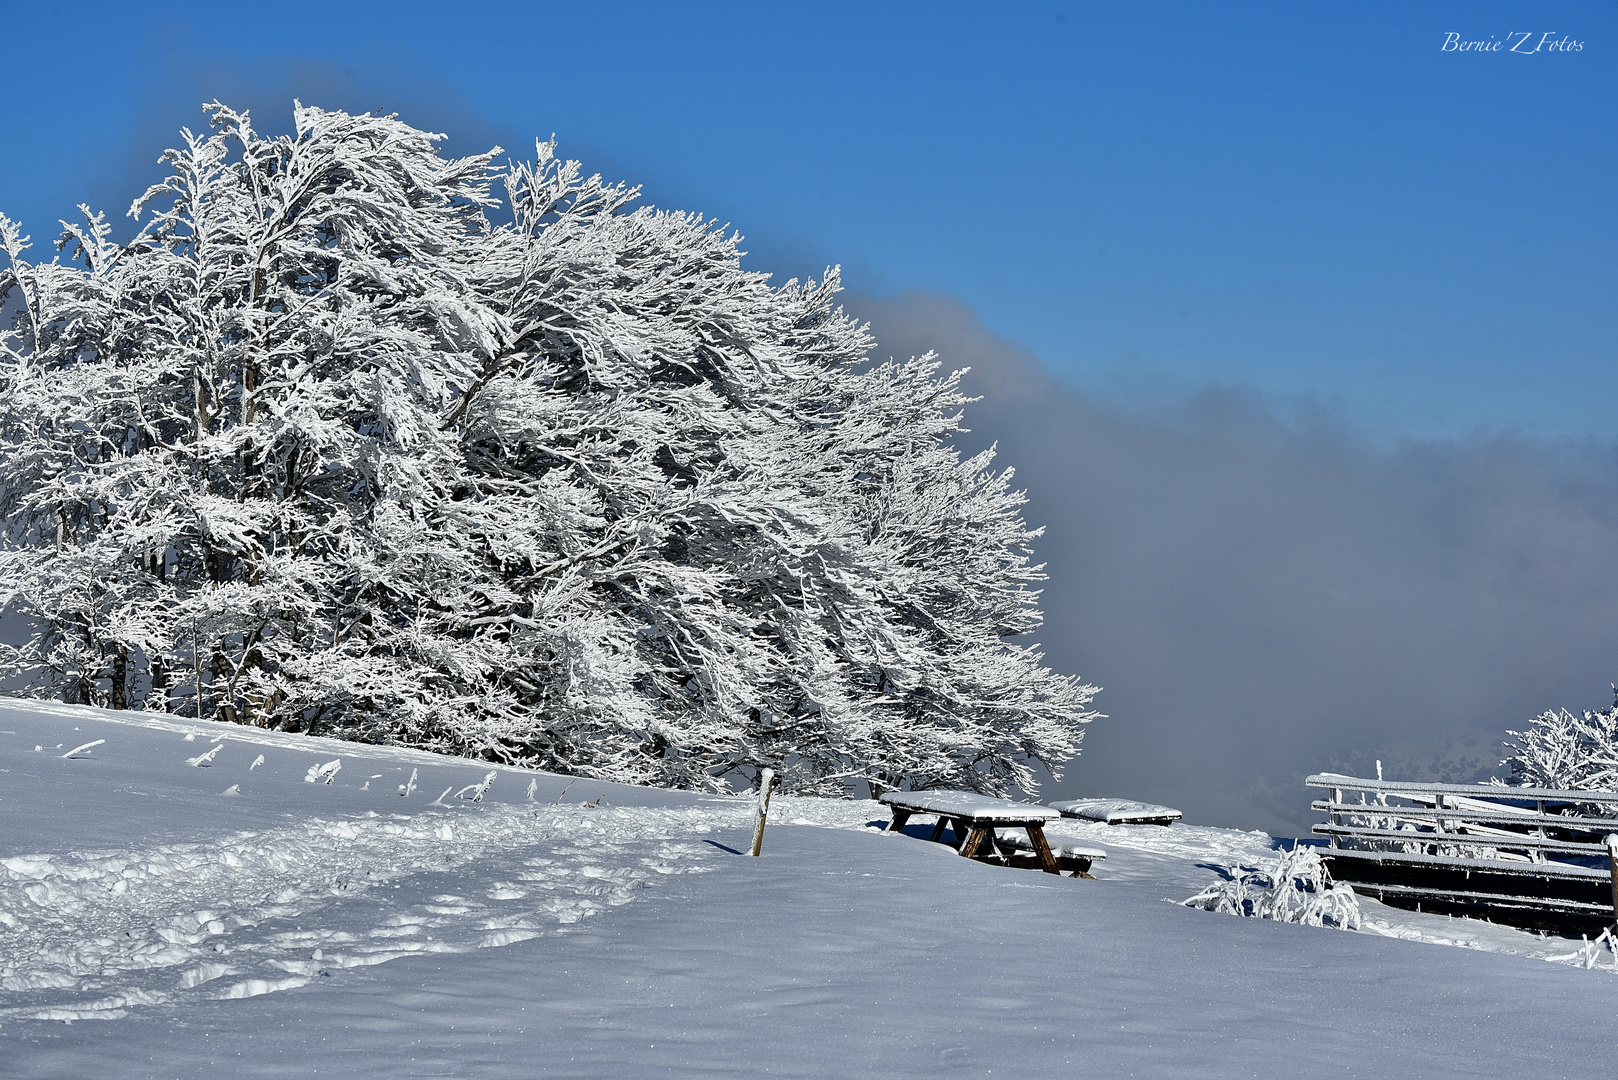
point(1567, 751)
point(475, 792)
point(1592, 950)
point(1589, 952)
point(1295, 888)
point(323, 774)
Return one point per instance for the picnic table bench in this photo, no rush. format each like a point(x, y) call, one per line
point(1117, 811)
point(975, 819)
point(1071, 856)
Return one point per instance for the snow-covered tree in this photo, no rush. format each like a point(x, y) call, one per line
point(1567, 751)
point(326, 448)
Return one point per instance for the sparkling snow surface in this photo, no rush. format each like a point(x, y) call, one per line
point(228, 917)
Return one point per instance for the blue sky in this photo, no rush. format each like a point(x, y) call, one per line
point(1314, 201)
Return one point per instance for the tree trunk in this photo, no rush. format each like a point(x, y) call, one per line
point(160, 683)
point(118, 694)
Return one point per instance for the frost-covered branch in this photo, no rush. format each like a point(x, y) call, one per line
point(1567, 751)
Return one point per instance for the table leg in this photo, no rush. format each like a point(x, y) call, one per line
point(962, 831)
point(974, 841)
point(1047, 861)
point(938, 829)
point(899, 819)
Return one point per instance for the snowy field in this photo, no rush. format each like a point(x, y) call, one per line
point(188, 899)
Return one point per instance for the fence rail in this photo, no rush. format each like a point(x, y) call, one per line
point(1480, 791)
point(1531, 857)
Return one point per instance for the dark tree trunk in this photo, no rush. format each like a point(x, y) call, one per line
point(118, 695)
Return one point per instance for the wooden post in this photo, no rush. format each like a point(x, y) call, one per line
point(1538, 854)
point(765, 780)
point(1612, 867)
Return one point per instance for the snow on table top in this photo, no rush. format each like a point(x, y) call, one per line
point(969, 805)
point(1114, 810)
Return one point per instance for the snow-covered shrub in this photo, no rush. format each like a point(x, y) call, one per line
point(1295, 888)
point(1590, 951)
point(326, 448)
point(1566, 751)
point(323, 774)
point(475, 792)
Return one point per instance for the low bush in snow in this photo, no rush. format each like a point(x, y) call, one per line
point(1295, 888)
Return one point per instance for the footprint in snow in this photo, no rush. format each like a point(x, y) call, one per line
point(100, 935)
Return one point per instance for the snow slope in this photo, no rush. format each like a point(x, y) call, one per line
point(579, 929)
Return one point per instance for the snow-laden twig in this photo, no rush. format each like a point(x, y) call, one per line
point(256, 763)
point(323, 773)
point(202, 761)
point(409, 789)
point(84, 748)
point(1589, 952)
point(479, 789)
point(1592, 949)
point(1295, 888)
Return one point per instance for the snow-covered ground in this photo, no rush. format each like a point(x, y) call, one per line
point(194, 899)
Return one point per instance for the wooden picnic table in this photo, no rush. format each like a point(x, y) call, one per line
point(975, 818)
point(1117, 811)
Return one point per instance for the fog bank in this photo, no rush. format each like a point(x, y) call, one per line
point(1264, 594)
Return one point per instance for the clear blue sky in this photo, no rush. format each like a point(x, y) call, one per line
point(1308, 199)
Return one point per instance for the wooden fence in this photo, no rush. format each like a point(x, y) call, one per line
point(1530, 857)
